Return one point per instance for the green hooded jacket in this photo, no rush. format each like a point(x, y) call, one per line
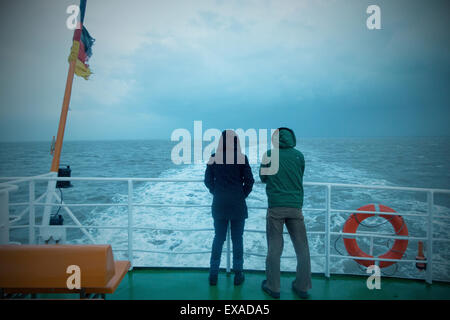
point(285, 187)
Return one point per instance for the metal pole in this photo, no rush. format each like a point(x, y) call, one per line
point(4, 217)
point(130, 222)
point(32, 220)
point(63, 117)
point(327, 231)
point(228, 248)
point(51, 187)
point(74, 219)
point(429, 276)
point(371, 246)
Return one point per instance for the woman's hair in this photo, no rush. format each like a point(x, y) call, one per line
point(228, 150)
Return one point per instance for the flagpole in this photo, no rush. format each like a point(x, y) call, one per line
point(67, 92)
point(63, 117)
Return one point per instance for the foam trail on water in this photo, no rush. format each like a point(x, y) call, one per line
point(163, 221)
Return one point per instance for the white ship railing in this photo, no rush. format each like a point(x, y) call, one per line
point(33, 202)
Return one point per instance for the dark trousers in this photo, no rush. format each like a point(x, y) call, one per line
point(293, 219)
point(237, 231)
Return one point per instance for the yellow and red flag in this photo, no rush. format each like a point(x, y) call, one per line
point(81, 49)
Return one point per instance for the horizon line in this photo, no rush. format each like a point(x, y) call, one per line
point(168, 139)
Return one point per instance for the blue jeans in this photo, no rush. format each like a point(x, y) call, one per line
point(237, 231)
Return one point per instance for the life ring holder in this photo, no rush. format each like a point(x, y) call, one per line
point(398, 249)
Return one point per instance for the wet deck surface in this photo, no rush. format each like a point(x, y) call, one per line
point(188, 284)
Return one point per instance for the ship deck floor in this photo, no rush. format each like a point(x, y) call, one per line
point(192, 284)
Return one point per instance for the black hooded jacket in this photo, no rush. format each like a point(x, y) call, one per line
point(230, 185)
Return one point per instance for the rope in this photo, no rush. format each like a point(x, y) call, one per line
point(371, 225)
point(387, 243)
point(359, 266)
point(380, 224)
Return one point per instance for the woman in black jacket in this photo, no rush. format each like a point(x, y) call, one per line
point(229, 178)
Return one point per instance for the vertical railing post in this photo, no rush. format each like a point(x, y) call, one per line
point(228, 248)
point(4, 216)
point(430, 200)
point(371, 246)
point(327, 231)
point(32, 220)
point(130, 222)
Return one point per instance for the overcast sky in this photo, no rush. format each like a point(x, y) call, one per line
point(159, 65)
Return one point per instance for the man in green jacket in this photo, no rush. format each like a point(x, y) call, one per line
point(284, 188)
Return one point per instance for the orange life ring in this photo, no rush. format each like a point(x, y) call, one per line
point(397, 250)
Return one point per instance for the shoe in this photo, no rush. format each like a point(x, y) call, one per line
point(238, 278)
point(275, 295)
point(213, 280)
point(301, 294)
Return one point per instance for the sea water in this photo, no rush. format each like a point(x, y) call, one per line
point(182, 236)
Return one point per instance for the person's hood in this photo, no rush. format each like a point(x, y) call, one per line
point(286, 138)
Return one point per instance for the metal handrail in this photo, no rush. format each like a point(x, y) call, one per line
point(328, 212)
point(45, 177)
